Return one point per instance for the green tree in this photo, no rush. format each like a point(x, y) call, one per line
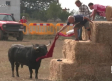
point(64, 15)
point(41, 15)
point(30, 6)
point(25, 14)
point(74, 12)
point(54, 11)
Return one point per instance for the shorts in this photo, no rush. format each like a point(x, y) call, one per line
point(79, 25)
point(86, 25)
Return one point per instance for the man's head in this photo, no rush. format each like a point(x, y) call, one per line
point(78, 3)
point(71, 19)
point(23, 17)
point(91, 5)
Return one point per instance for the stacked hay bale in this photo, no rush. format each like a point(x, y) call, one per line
point(101, 32)
point(83, 60)
point(84, 34)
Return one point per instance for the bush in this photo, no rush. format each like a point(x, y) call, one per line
point(41, 15)
point(26, 15)
point(64, 15)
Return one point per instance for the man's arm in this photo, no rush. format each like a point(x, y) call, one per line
point(57, 35)
point(62, 28)
point(93, 14)
point(85, 18)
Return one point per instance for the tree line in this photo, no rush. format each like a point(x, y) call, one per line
point(43, 10)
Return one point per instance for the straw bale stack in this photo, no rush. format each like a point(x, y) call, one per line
point(101, 32)
point(86, 52)
point(93, 72)
point(61, 70)
point(84, 34)
point(66, 70)
point(85, 60)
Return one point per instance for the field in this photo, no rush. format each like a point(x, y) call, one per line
point(5, 68)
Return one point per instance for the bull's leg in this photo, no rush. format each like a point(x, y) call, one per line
point(17, 66)
point(31, 71)
point(12, 66)
point(36, 73)
point(36, 70)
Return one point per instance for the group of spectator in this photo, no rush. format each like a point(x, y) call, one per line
point(84, 17)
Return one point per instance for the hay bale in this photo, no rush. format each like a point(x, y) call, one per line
point(55, 70)
point(66, 70)
point(61, 70)
point(85, 52)
point(84, 34)
point(93, 72)
point(101, 32)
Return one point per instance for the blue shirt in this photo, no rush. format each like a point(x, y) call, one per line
point(78, 18)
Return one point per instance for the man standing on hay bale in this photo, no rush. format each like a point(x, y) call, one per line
point(105, 11)
point(79, 22)
point(83, 10)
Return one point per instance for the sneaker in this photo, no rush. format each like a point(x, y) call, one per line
point(89, 39)
point(80, 38)
point(76, 39)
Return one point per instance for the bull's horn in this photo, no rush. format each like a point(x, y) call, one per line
point(36, 47)
point(48, 44)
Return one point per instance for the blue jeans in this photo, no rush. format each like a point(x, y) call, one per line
point(80, 33)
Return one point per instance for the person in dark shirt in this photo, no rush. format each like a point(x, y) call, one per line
point(78, 21)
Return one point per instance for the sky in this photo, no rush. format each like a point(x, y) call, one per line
point(71, 3)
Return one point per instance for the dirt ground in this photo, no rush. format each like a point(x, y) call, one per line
point(5, 67)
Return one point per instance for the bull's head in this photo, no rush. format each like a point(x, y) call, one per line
point(37, 46)
point(40, 50)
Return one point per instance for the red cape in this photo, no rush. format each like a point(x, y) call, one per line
point(50, 52)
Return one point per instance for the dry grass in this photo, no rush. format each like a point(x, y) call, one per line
point(5, 68)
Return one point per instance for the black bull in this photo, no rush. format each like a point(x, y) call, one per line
point(26, 55)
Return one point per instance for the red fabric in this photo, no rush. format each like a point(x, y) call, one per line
point(61, 34)
point(50, 52)
point(23, 20)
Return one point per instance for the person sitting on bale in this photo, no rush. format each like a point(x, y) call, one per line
point(105, 11)
point(78, 21)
